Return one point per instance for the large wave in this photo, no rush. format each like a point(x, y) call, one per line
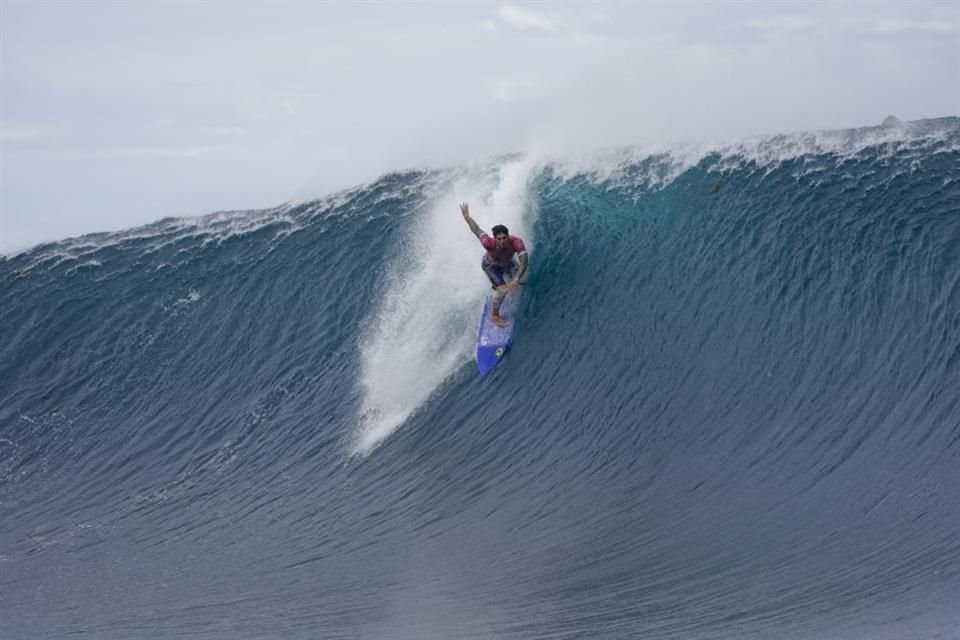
point(731, 408)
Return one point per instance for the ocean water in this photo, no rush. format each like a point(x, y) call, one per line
point(732, 408)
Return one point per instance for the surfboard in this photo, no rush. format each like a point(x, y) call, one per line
point(494, 342)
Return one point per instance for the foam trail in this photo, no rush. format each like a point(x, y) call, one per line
point(425, 327)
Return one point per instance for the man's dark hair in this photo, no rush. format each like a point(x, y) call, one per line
point(497, 230)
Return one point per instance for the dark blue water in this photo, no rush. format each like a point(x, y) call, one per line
point(732, 409)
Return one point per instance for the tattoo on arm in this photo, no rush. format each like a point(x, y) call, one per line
point(523, 267)
point(477, 231)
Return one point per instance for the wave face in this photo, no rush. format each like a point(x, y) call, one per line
point(731, 409)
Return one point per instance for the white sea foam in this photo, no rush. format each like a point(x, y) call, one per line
point(424, 327)
point(214, 227)
point(618, 165)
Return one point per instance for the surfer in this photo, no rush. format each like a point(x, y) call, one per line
point(500, 261)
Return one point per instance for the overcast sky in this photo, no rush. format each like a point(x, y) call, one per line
point(118, 114)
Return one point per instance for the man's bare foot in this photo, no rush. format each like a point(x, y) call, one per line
point(498, 320)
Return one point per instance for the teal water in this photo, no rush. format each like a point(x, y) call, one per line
point(730, 409)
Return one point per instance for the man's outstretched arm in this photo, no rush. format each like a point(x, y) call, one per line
point(465, 210)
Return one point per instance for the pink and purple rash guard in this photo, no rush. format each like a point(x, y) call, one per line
point(503, 256)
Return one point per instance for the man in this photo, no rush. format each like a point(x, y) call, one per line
point(499, 262)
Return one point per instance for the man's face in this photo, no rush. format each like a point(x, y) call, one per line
point(501, 239)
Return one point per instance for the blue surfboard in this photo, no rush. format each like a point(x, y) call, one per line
point(493, 342)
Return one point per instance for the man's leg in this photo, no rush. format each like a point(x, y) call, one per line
point(506, 275)
point(498, 281)
point(494, 273)
point(498, 297)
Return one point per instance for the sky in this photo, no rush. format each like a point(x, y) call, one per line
point(116, 114)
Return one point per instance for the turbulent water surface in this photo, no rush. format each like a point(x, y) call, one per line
point(732, 409)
